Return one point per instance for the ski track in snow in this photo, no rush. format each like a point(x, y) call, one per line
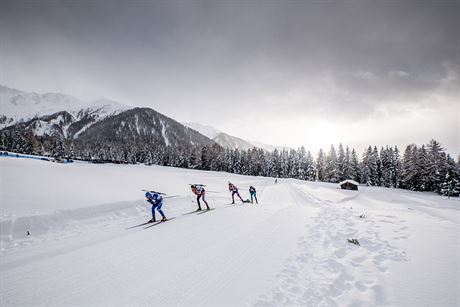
point(323, 271)
point(290, 249)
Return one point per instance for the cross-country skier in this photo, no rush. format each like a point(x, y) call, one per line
point(252, 191)
point(232, 188)
point(199, 191)
point(157, 202)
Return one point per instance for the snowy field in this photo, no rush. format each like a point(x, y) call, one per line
point(290, 249)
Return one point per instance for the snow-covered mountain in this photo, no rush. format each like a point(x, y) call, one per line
point(208, 131)
point(228, 141)
point(64, 116)
point(143, 125)
point(18, 106)
point(223, 139)
point(100, 122)
point(134, 127)
point(232, 142)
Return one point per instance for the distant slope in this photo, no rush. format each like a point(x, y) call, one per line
point(228, 141)
point(208, 131)
point(232, 142)
point(18, 106)
point(143, 125)
point(223, 139)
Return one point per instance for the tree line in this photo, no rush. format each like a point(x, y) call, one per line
point(420, 168)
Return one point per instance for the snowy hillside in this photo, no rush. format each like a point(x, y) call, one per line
point(228, 141)
point(291, 249)
point(17, 105)
point(232, 142)
point(207, 131)
point(223, 139)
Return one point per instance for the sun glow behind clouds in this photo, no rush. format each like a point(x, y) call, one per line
point(386, 127)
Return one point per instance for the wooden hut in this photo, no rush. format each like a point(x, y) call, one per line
point(349, 185)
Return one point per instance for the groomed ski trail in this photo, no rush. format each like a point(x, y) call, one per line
point(195, 259)
point(291, 249)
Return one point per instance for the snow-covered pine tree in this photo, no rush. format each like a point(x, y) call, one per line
point(423, 170)
point(195, 158)
point(409, 174)
point(386, 168)
point(354, 166)
point(71, 152)
point(365, 171)
point(310, 168)
point(320, 166)
point(236, 162)
point(436, 166)
point(18, 142)
point(375, 167)
point(275, 164)
point(341, 163)
point(302, 164)
point(284, 165)
point(244, 163)
point(228, 160)
point(60, 150)
point(293, 164)
point(5, 141)
point(451, 183)
point(331, 167)
point(397, 168)
point(347, 170)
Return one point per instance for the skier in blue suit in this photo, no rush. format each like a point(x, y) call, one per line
point(253, 193)
point(157, 202)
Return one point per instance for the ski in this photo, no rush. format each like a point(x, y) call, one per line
point(159, 222)
point(143, 224)
point(202, 185)
point(204, 211)
point(191, 212)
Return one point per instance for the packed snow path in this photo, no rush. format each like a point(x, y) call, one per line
point(290, 249)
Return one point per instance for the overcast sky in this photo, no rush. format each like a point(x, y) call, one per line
point(293, 73)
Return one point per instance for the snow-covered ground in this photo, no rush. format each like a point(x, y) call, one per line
point(291, 248)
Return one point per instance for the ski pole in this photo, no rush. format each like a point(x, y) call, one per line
point(171, 196)
point(161, 193)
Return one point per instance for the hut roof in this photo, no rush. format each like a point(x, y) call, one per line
point(350, 181)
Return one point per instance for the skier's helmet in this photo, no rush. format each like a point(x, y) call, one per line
point(155, 196)
point(148, 194)
point(193, 186)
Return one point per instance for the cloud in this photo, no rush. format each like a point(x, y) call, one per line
point(398, 74)
point(338, 61)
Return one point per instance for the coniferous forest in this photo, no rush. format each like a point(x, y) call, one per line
point(419, 168)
